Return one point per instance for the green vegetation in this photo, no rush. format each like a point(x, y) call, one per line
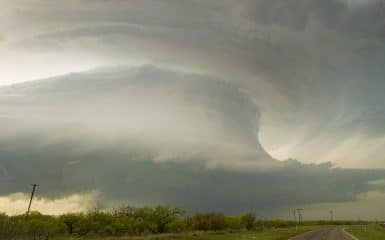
point(367, 232)
point(266, 234)
point(160, 222)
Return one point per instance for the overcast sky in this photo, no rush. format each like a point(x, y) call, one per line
point(228, 87)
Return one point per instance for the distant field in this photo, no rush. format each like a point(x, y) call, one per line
point(271, 234)
point(367, 232)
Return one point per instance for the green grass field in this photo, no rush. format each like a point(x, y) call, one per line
point(271, 234)
point(367, 232)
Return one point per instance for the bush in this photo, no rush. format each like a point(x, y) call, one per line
point(130, 221)
point(71, 222)
point(208, 222)
point(248, 221)
point(38, 226)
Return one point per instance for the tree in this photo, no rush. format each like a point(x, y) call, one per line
point(248, 220)
point(162, 216)
point(70, 221)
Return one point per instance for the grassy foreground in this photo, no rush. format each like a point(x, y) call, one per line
point(269, 234)
point(367, 232)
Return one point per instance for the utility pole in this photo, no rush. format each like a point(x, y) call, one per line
point(295, 218)
point(32, 194)
point(299, 215)
point(331, 215)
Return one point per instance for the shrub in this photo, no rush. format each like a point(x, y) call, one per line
point(248, 221)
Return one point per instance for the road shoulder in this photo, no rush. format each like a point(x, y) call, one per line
point(349, 234)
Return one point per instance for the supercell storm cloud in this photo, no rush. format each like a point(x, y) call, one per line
point(189, 102)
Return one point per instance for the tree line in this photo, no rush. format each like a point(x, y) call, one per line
point(130, 221)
